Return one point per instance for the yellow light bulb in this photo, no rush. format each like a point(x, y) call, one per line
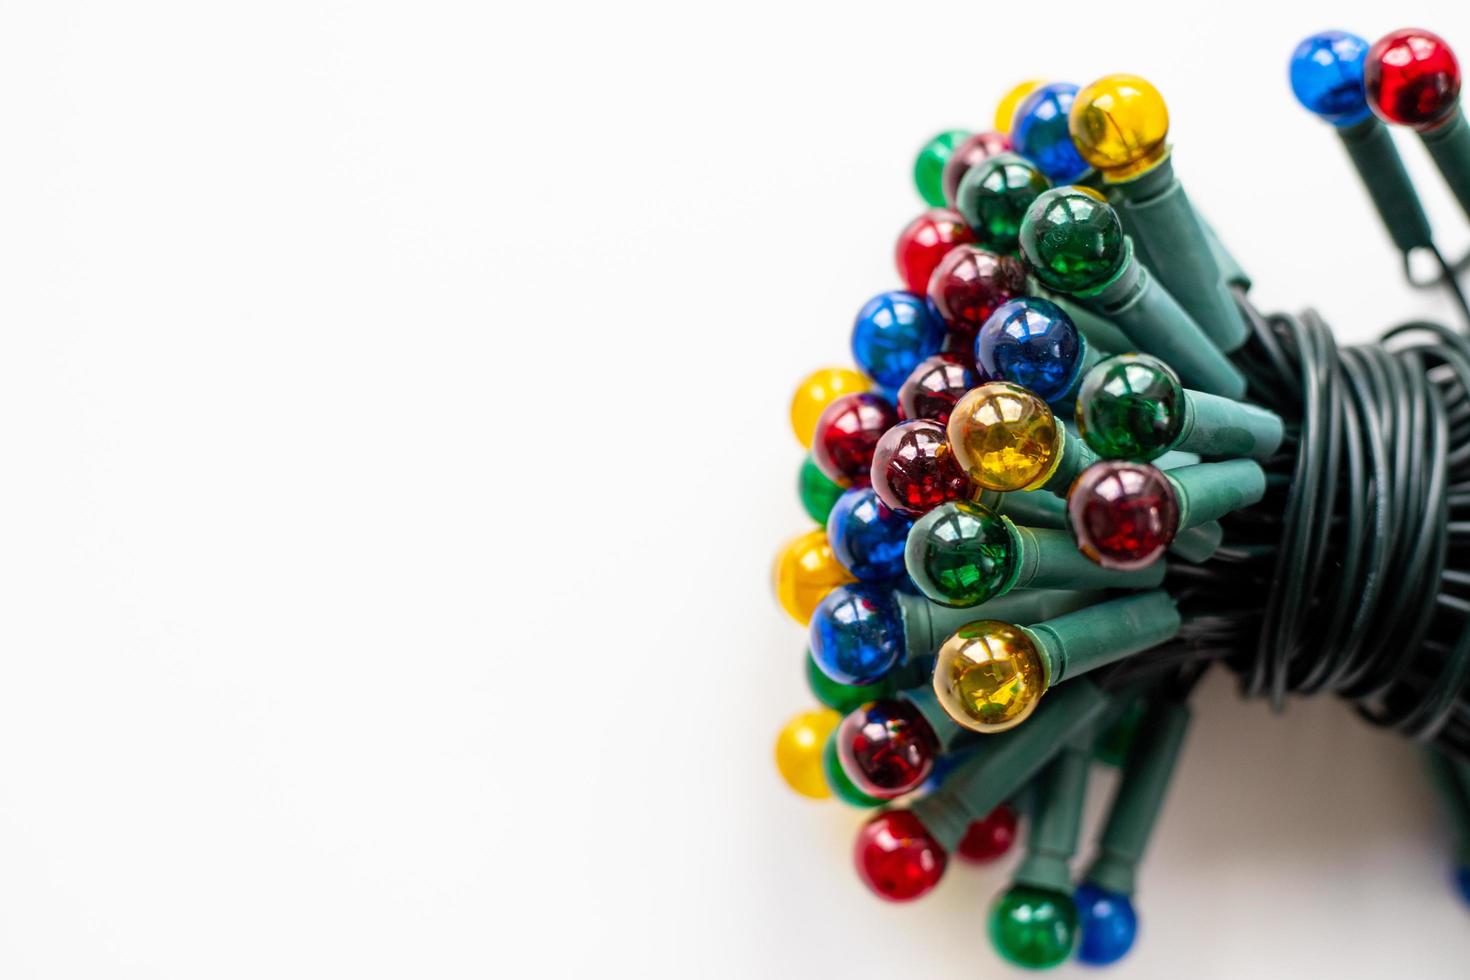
point(815, 392)
point(1005, 437)
point(1119, 124)
point(989, 676)
point(1005, 113)
point(799, 751)
point(805, 571)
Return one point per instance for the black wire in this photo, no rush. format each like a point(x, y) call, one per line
point(1361, 548)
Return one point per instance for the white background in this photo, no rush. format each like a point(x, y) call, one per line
point(393, 444)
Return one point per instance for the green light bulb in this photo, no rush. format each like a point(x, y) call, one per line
point(994, 197)
point(1033, 927)
point(929, 165)
point(1071, 239)
point(841, 697)
point(817, 493)
point(961, 554)
point(1131, 407)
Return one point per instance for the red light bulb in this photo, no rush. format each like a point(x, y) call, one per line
point(924, 242)
point(1412, 78)
point(886, 748)
point(846, 435)
point(896, 857)
point(968, 155)
point(914, 469)
point(989, 838)
point(931, 390)
point(968, 285)
point(1123, 515)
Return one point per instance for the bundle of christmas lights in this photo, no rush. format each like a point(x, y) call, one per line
point(1075, 469)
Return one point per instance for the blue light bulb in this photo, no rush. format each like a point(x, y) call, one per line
point(1108, 924)
point(1327, 77)
point(857, 634)
point(1462, 878)
point(1040, 133)
point(893, 332)
point(867, 537)
point(1033, 343)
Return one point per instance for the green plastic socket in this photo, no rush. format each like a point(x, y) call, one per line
point(1010, 760)
point(1371, 148)
point(1199, 543)
point(1031, 509)
point(1160, 217)
point(1149, 314)
point(1077, 456)
point(1208, 491)
point(1139, 797)
point(1215, 426)
point(1449, 145)
point(1057, 820)
point(1235, 275)
point(1101, 333)
point(1094, 637)
point(1049, 559)
point(928, 624)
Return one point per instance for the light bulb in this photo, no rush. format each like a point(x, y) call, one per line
point(989, 676)
point(1005, 437)
point(1119, 124)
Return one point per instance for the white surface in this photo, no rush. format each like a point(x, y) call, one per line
point(395, 444)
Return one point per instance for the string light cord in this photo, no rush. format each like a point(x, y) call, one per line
point(1361, 548)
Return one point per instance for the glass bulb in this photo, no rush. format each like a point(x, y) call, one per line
point(1033, 927)
point(1041, 135)
point(1005, 437)
point(840, 697)
point(799, 751)
point(815, 392)
point(926, 240)
point(929, 165)
point(1033, 343)
point(857, 633)
point(886, 747)
point(1131, 407)
point(994, 196)
point(1119, 124)
point(1412, 78)
point(1071, 239)
point(893, 332)
point(914, 469)
point(867, 536)
point(1122, 515)
point(816, 492)
point(846, 434)
point(896, 857)
point(990, 837)
point(989, 676)
point(968, 155)
point(805, 571)
point(961, 554)
point(967, 286)
point(931, 389)
point(1327, 77)
point(1107, 923)
point(1005, 111)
